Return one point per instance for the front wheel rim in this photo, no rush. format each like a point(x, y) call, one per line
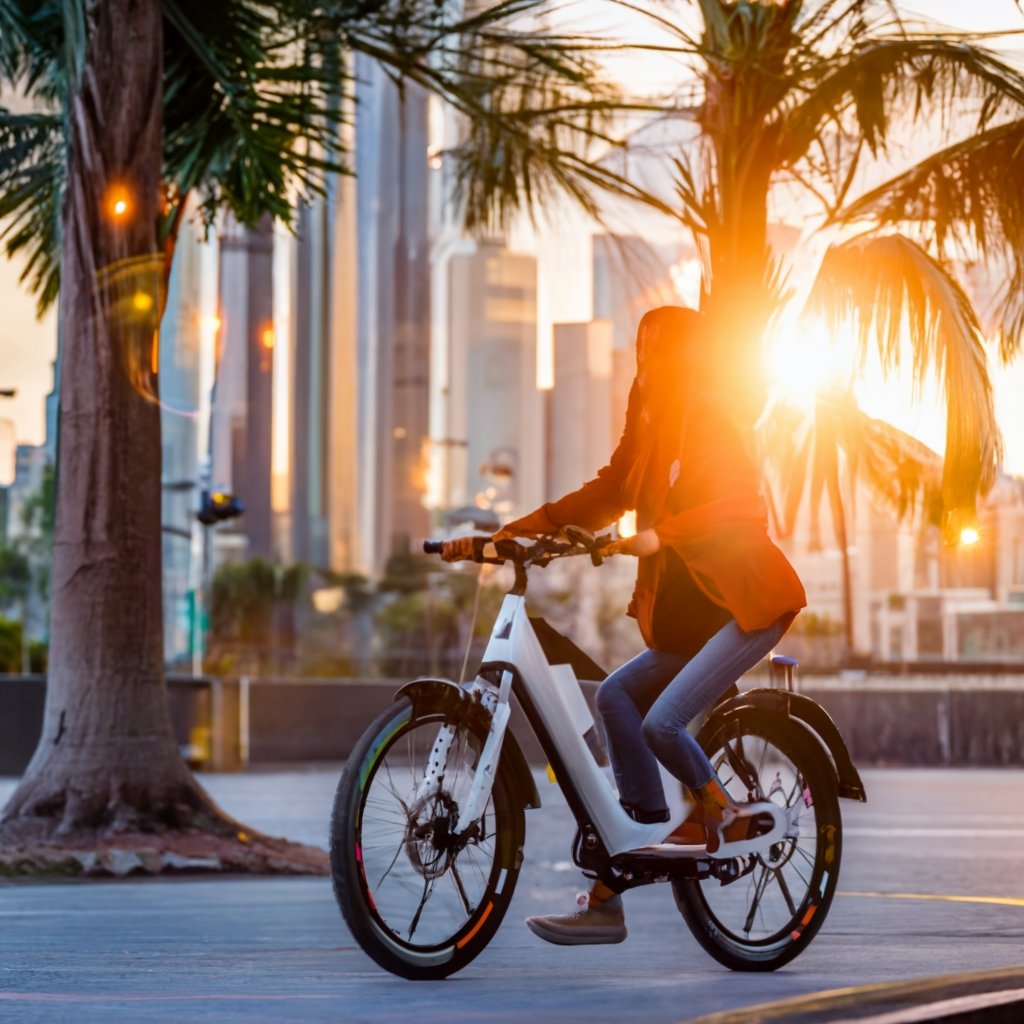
point(426, 890)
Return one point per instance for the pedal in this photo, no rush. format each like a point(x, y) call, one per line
point(661, 851)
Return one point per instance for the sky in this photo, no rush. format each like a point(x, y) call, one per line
point(27, 346)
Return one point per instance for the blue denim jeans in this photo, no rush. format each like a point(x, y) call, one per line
point(647, 704)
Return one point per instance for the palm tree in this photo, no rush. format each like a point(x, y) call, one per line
point(809, 95)
point(809, 455)
point(143, 107)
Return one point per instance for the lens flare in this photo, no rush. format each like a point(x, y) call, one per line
point(627, 525)
point(118, 202)
point(969, 535)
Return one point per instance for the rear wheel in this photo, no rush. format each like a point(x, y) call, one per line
point(419, 898)
point(762, 911)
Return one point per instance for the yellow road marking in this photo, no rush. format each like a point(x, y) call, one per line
point(1002, 901)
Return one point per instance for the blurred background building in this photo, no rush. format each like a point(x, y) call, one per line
point(379, 377)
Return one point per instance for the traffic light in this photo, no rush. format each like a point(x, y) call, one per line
point(216, 506)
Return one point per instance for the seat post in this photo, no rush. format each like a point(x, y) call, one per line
point(784, 670)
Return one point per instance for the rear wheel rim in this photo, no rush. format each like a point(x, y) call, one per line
point(777, 894)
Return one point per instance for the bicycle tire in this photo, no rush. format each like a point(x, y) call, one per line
point(814, 780)
point(368, 920)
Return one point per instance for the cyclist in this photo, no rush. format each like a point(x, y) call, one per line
point(713, 594)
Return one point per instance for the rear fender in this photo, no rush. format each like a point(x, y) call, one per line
point(810, 714)
point(428, 695)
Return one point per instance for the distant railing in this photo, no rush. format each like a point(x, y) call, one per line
point(226, 724)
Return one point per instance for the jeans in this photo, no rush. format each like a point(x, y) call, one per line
point(647, 704)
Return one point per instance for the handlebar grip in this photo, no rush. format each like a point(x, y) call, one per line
point(433, 547)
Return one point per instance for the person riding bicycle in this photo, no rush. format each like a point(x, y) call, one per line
point(713, 594)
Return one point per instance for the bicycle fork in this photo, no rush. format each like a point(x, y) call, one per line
point(487, 763)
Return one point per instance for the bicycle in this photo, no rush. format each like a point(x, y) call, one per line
point(428, 824)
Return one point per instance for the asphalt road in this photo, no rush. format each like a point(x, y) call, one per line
point(932, 882)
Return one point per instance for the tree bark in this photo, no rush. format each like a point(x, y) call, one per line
point(839, 517)
point(107, 763)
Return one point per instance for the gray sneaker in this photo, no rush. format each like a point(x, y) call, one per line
point(588, 926)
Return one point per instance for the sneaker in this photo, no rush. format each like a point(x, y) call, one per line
point(690, 832)
point(588, 926)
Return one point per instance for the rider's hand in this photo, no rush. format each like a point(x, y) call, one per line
point(458, 550)
point(646, 542)
point(532, 525)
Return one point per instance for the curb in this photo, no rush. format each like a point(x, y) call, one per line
point(977, 997)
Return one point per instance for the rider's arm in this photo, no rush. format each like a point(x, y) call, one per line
point(598, 502)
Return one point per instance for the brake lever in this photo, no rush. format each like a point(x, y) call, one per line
point(596, 558)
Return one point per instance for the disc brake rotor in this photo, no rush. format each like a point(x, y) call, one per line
point(428, 834)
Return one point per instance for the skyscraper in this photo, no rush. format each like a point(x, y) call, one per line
point(394, 312)
point(580, 419)
point(242, 414)
point(494, 417)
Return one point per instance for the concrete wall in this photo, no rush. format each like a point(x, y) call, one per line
point(224, 725)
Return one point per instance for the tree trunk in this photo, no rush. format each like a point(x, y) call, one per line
point(738, 300)
point(839, 517)
point(107, 764)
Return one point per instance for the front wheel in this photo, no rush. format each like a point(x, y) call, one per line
point(419, 898)
point(762, 911)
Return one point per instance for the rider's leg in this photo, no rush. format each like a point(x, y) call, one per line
point(622, 700)
point(718, 664)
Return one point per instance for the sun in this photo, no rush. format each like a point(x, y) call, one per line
point(804, 359)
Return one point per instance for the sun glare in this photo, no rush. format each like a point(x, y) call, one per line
point(804, 360)
point(627, 525)
point(969, 535)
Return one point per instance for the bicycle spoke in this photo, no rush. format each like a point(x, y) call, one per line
point(760, 768)
point(457, 879)
point(428, 888)
point(784, 889)
point(394, 791)
point(394, 860)
point(759, 889)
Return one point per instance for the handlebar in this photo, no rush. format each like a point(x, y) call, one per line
point(569, 541)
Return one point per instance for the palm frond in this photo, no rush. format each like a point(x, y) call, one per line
point(878, 78)
point(253, 103)
point(32, 47)
point(537, 114)
point(894, 292)
point(31, 191)
point(897, 467)
point(970, 194)
point(808, 448)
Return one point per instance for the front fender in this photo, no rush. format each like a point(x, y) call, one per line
point(444, 695)
point(811, 715)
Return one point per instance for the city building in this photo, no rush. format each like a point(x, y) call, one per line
point(242, 406)
point(580, 424)
point(30, 462)
point(393, 352)
point(182, 435)
point(491, 448)
point(319, 389)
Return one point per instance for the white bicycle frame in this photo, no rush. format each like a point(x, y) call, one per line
point(513, 643)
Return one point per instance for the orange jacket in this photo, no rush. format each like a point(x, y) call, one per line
point(712, 514)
